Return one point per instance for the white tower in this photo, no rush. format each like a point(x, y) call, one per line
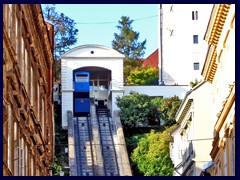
point(182, 49)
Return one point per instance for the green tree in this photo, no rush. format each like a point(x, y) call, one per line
point(151, 156)
point(65, 34)
point(130, 65)
point(136, 110)
point(143, 76)
point(133, 141)
point(167, 108)
point(55, 169)
point(194, 83)
point(126, 42)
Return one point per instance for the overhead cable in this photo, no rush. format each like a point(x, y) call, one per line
point(114, 22)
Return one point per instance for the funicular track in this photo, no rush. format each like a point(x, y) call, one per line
point(83, 146)
point(108, 148)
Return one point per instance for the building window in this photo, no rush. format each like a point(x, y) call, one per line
point(37, 171)
point(233, 154)
point(9, 159)
point(22, 60)
point(16, 150)
point(16, 34)
point(32, 166)
point(26, 71)
point(196, 66)
point(225, 161)
point(21, 158)
point(42, 116)
point(31, 86)
point(26, 160)
point(9, 19)
point(195, 39)
point(194, 15)
point(38, 102)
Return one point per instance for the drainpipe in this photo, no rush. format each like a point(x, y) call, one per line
point(161, 82)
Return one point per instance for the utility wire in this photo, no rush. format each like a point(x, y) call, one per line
point(200, 139)
point(204, 139)
point(114, 22)
point(81, 145)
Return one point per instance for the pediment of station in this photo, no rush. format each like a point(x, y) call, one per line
point(92, 51)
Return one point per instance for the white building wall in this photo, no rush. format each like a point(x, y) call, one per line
point(202, 126)
point(197, 129)
point(67, 105)
point(176, 152)
point(66, 76)
point(178, 51)
point(115, 94)
point(164, 91)
point(89, 56)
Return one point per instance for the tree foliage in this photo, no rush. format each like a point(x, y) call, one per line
point(65, 33)
point(55, 169)
point(143, 76)
point(194, 83)
point(129, 66)
point(167, 108)
point(136, 110)
point(152, 156)
point(126, 42)
point(133, 141)
point(139, 109)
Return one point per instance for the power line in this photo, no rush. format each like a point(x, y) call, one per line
point(204, 139)
point(81, 145)
point(114, 22)
point(200, 139)
point(145, 18)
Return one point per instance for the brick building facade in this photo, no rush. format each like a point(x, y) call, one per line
point(28, 118)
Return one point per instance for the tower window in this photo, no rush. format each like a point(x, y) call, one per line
point(195, 39)
point(196, 66)
point(194, 15)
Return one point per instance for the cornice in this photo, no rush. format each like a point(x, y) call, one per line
point(8, 45)
point(212, 36)
point(41, 29)
point(183, 111)
point(227, 104)
point(216, 23)
point(215, 147)
point(210, 66)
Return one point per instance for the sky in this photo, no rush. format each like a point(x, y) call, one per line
point(97, 23)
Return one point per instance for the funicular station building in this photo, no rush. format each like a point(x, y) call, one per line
point(96, 140)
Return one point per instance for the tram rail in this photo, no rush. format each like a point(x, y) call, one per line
point(83, 146)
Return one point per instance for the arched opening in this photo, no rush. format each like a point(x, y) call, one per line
point(100, 79)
